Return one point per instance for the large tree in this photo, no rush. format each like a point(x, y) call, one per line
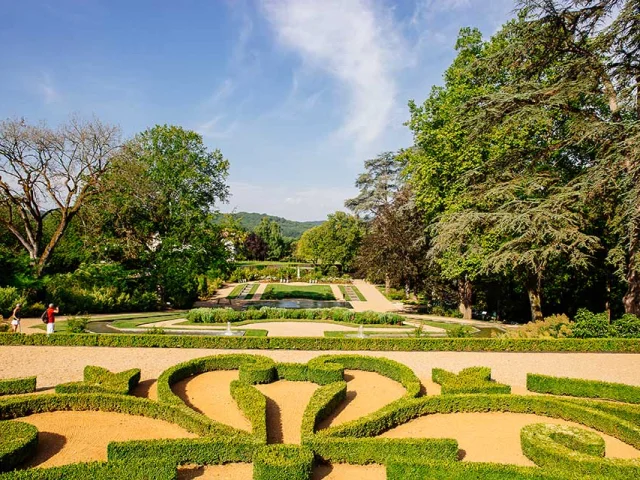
point(45, 170)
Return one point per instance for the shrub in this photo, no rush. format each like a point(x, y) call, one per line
point(591, 325)
point(322, 403)
point(469, 380)
point(460, 331)
point(9, 298)
point(295, 372)
point(156, 469)
point(283, 462)
point(627, 326)
point(98, 379)
point(253, 405)
point(77, 324)
point(19, 442)
point(583, 388)
point(554, 326)
point(14, 386)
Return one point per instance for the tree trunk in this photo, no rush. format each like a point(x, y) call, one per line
point(387, 284)
point(631, 299)
point(55, 239)
point(607, 305)
point(465, 294)
point(535, 302)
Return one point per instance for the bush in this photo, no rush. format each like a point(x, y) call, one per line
point(98, 379)
point(14, 386)
point(591, 325)
point(19, 442)
point(253, 405)
point(283, 462)
point(627, 326)
point(554, 326)
point(469, 380)
point(323, 402)
point(460, 331)
point(156, 469)
point(77, 324)
point(583, 388)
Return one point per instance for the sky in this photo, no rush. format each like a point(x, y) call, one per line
point(297, 94)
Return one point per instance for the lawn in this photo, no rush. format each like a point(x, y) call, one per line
point(312, 292)
point(252, 292)
point(356, 290)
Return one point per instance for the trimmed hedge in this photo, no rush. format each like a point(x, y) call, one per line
point(294, 372)
point(608, 345)
point(573, 449)
point(15, 407)
point(583, 388)
point(98, 379)
point(156, 469)
point(469, 380)
point(224, 315)
point(19, 441)
point(253, 405)
point(321, 404)
point(202, 451)
point(283, 462)
point(425, 469)
point(14, 386)
point(323, 370)
point(253, 369)
point(362, 451)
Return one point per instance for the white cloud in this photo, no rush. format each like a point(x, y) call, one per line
point(222, 92)
point(303, 203)
point(353, 42)
point(214, 128)
point(46, 88)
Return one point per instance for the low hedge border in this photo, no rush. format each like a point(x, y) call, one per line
point(201, 451)
point(253, 405)
point(424, 469)
point(253, 369)
point(19, 442)
point(600, 345)
point(283, 462)
point(469, 380)
point(583, 388)
point(322, 403)
point(16, 407)
point(362, 451)
point(98, 379)
point(294, 372)
point(323, 370)
point(14, 386)
point(156, 469)
point(573, 449)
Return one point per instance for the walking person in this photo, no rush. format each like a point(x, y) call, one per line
point(51, 318)
point(15, 319)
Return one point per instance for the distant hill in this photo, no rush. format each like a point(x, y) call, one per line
point(290, 228)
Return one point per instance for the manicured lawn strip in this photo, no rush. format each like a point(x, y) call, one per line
point(608, 345)
point(120, 321)
point(13, 386)
point(397, 334)
point(583, 388)
point(237, 290)
point(279, 291)
point(295, 320)
point(254, 289)
point(19, 442)
point(355, 289)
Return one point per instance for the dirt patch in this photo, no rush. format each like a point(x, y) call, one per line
point(209, 394)
point(230, 471)
point(492, 437)
point(286, 402)
point(366, 393)
point(342, 471)
point(70, 437)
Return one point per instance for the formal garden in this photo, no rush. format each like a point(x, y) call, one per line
point(219, 410)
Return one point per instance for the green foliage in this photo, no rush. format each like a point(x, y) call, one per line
point(13, 386)
point(224, 315)
point(573, 449)
point(583, 388)
point(289, 228)
point(590, 325)
point(423, 469)
point(627, 326)
point(9, 298)
point(77, 324)
point(277, 291)
point(469, 380)
point(156, 469)
point(324, 371)
point(554, 326)
point(460, 331)
point(283, 462)
point(253, 405)
point(294, 372)
point(322, 403)
point(98, 379)
point(19, 442)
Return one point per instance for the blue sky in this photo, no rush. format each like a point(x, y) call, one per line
point(296, 93)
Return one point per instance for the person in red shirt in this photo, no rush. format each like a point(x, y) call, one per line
point(51, 318)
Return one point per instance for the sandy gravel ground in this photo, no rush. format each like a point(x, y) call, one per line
point(366, 393)
point(230, 471)
point(209, 393)
point(492, 437)
point(286, 402)
point(243, 471)
point(55, 365)
point(70, 437)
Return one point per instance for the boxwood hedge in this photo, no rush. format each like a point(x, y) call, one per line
point(13, 386)
point(18, 441)
point(283, 462)
point(98, 379)
point(469, 380)
point(583, 388)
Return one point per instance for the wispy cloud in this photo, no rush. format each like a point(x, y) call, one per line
point(46, 89)
point(222, 92)
point(302, 203)
point(215, 128)
point(353, 42)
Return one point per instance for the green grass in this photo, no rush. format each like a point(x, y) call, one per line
point(395, 294)
point(356, 290)
point(254, 289)
point(236, 291)
point(391, 334)
point(313, 292)
point(281, 320)
point(128, 320)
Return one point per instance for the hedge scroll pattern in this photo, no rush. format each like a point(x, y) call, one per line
point(561, 453)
